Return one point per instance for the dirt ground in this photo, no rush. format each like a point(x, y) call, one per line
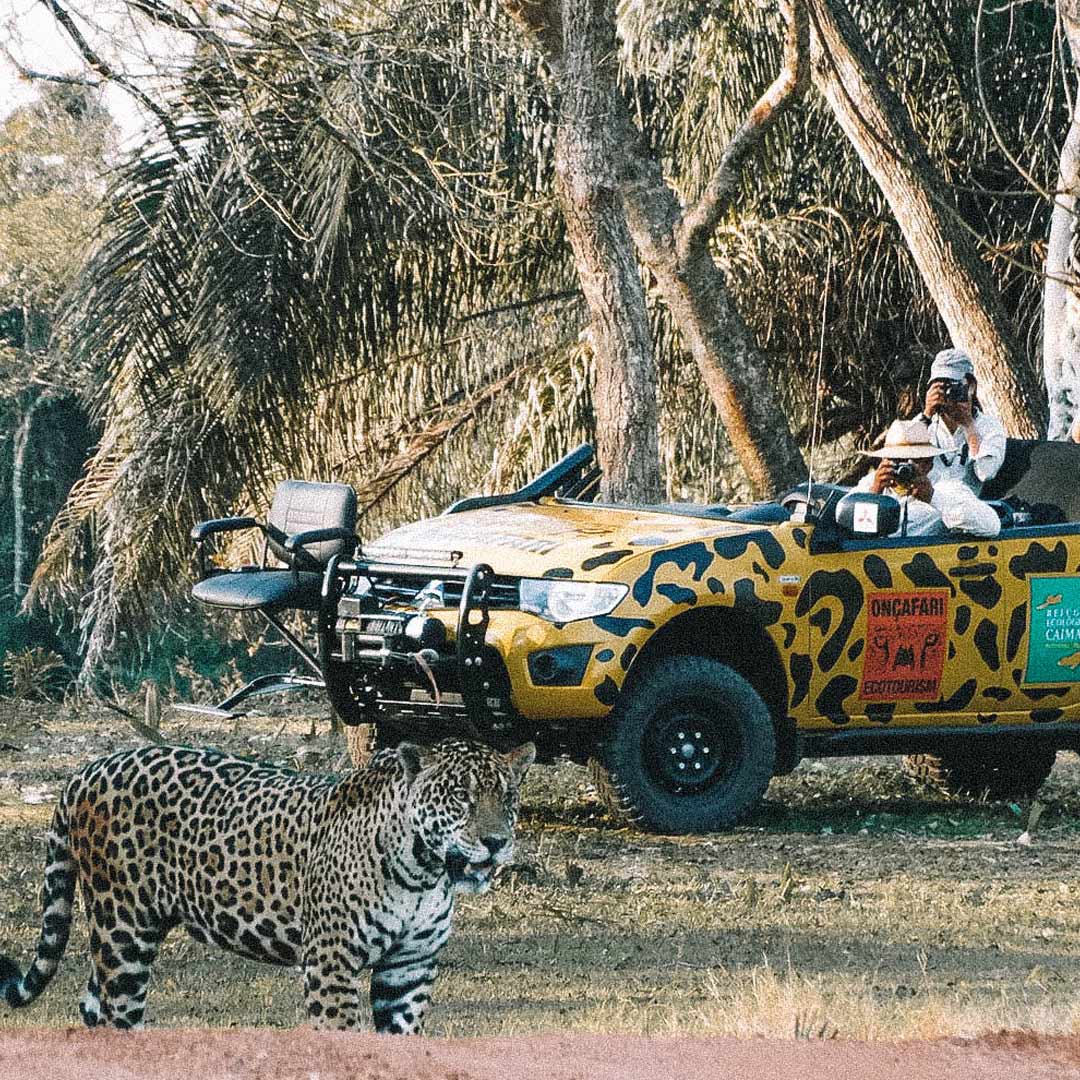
point(858, 926)
point(307, 1055)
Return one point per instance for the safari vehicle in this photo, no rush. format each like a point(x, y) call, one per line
point(688, 653)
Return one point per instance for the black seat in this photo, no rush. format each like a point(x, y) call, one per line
point(1041, 476)
point(308, 525)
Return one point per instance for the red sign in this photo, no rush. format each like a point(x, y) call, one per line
point(906, 638)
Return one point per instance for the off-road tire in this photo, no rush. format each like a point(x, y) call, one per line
point(999, 769)
point(692, 748)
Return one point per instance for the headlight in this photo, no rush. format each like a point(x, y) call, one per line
point(561, 601)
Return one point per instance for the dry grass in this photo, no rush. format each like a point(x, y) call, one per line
point(854, 906)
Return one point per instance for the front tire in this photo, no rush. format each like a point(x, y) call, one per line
point(692, 748)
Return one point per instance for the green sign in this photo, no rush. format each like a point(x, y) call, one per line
point(1054, 638)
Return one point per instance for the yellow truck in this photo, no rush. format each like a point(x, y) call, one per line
point(689, 653)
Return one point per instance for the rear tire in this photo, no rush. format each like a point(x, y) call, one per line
point(1001, 769)
point(692, 748)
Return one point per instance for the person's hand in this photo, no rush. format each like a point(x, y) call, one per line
point(935, 399)
point(884, 476)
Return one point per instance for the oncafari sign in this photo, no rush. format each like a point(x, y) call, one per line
point(1054, 630)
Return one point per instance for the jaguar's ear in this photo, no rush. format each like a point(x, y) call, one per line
point(520, 759)
point(409, 755)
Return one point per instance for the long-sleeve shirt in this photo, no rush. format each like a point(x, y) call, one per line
point(959, 463)
point(953, 507)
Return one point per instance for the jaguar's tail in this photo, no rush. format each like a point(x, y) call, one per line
point(57, 896)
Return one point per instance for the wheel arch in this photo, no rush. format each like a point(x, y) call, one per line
point(734, 638)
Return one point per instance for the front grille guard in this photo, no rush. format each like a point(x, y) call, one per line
point(475, 661)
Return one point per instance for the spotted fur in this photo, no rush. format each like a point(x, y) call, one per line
point(333, 875)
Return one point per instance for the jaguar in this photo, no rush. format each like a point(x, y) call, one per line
point(334, 875)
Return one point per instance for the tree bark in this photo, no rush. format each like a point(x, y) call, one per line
point(624, 392)
point(675, 247)
point(879, 128)
point(1061, 292)
point(19, 582)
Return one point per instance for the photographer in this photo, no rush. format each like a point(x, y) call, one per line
point(973, 440)
point(929, 507)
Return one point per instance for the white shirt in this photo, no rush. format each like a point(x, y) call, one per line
point(958, 464)
point(954, 507)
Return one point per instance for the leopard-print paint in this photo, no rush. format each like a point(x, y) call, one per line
point(332, 875)
point(810, 607)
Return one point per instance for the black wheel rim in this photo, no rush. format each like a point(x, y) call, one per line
point(691, 746)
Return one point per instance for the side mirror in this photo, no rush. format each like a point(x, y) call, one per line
point(862, 513)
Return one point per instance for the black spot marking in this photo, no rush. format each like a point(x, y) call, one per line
point(1045, 692)
point(716, 586)
point(607, 691)
point(822, 619)
point(799, 536)
point(856, 649)
point(997, 693)
point(789, 634)
point(606, 559)
point(1039, 560)
point(759, 570)
point(957, 702)
point(765, 612)
point(627, 657)
point(966, 553)
point(604, 655)
point(611, 624)
point(881, 712)
point(1046, 716)
point(559, 572)
point(801, 670)
point(677, 594)
point(845, 586)
point(731, 547)
point(986, 592)
point(986, 718)
point(877, 570)
point(952, 650)
point(1017, 626)
point(962, 619)
point(924, 572)
point(695, 555)
point(830, 702)
point(986, 641)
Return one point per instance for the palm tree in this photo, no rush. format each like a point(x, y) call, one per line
point(345, 261)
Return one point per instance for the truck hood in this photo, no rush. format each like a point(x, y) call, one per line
point(535, 539)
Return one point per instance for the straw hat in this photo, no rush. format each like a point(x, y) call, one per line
point(907, 440)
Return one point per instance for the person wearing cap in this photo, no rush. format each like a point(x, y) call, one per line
point(928, 507)
point(973, 440)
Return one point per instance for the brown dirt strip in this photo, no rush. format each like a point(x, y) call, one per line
point(307, 1055)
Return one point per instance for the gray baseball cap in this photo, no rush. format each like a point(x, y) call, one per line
point(951, 364)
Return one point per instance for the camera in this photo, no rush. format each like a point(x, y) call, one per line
point(904, 472)
point(956, 391)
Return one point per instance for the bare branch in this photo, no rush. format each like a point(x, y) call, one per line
point(109, 74)
point(44, 76)
point(700, 220)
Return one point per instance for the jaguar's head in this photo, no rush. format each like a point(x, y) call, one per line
point(463, 804)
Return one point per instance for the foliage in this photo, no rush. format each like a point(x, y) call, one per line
point(35, 674)
point(343, 260)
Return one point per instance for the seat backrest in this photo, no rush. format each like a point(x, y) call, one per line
point(302, 505)
point(1041, 473)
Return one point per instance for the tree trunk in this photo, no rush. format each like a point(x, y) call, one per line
point(879, 128)
point(624, 394)
point(19, 581)
point(734, 369)
point(1061, 294)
